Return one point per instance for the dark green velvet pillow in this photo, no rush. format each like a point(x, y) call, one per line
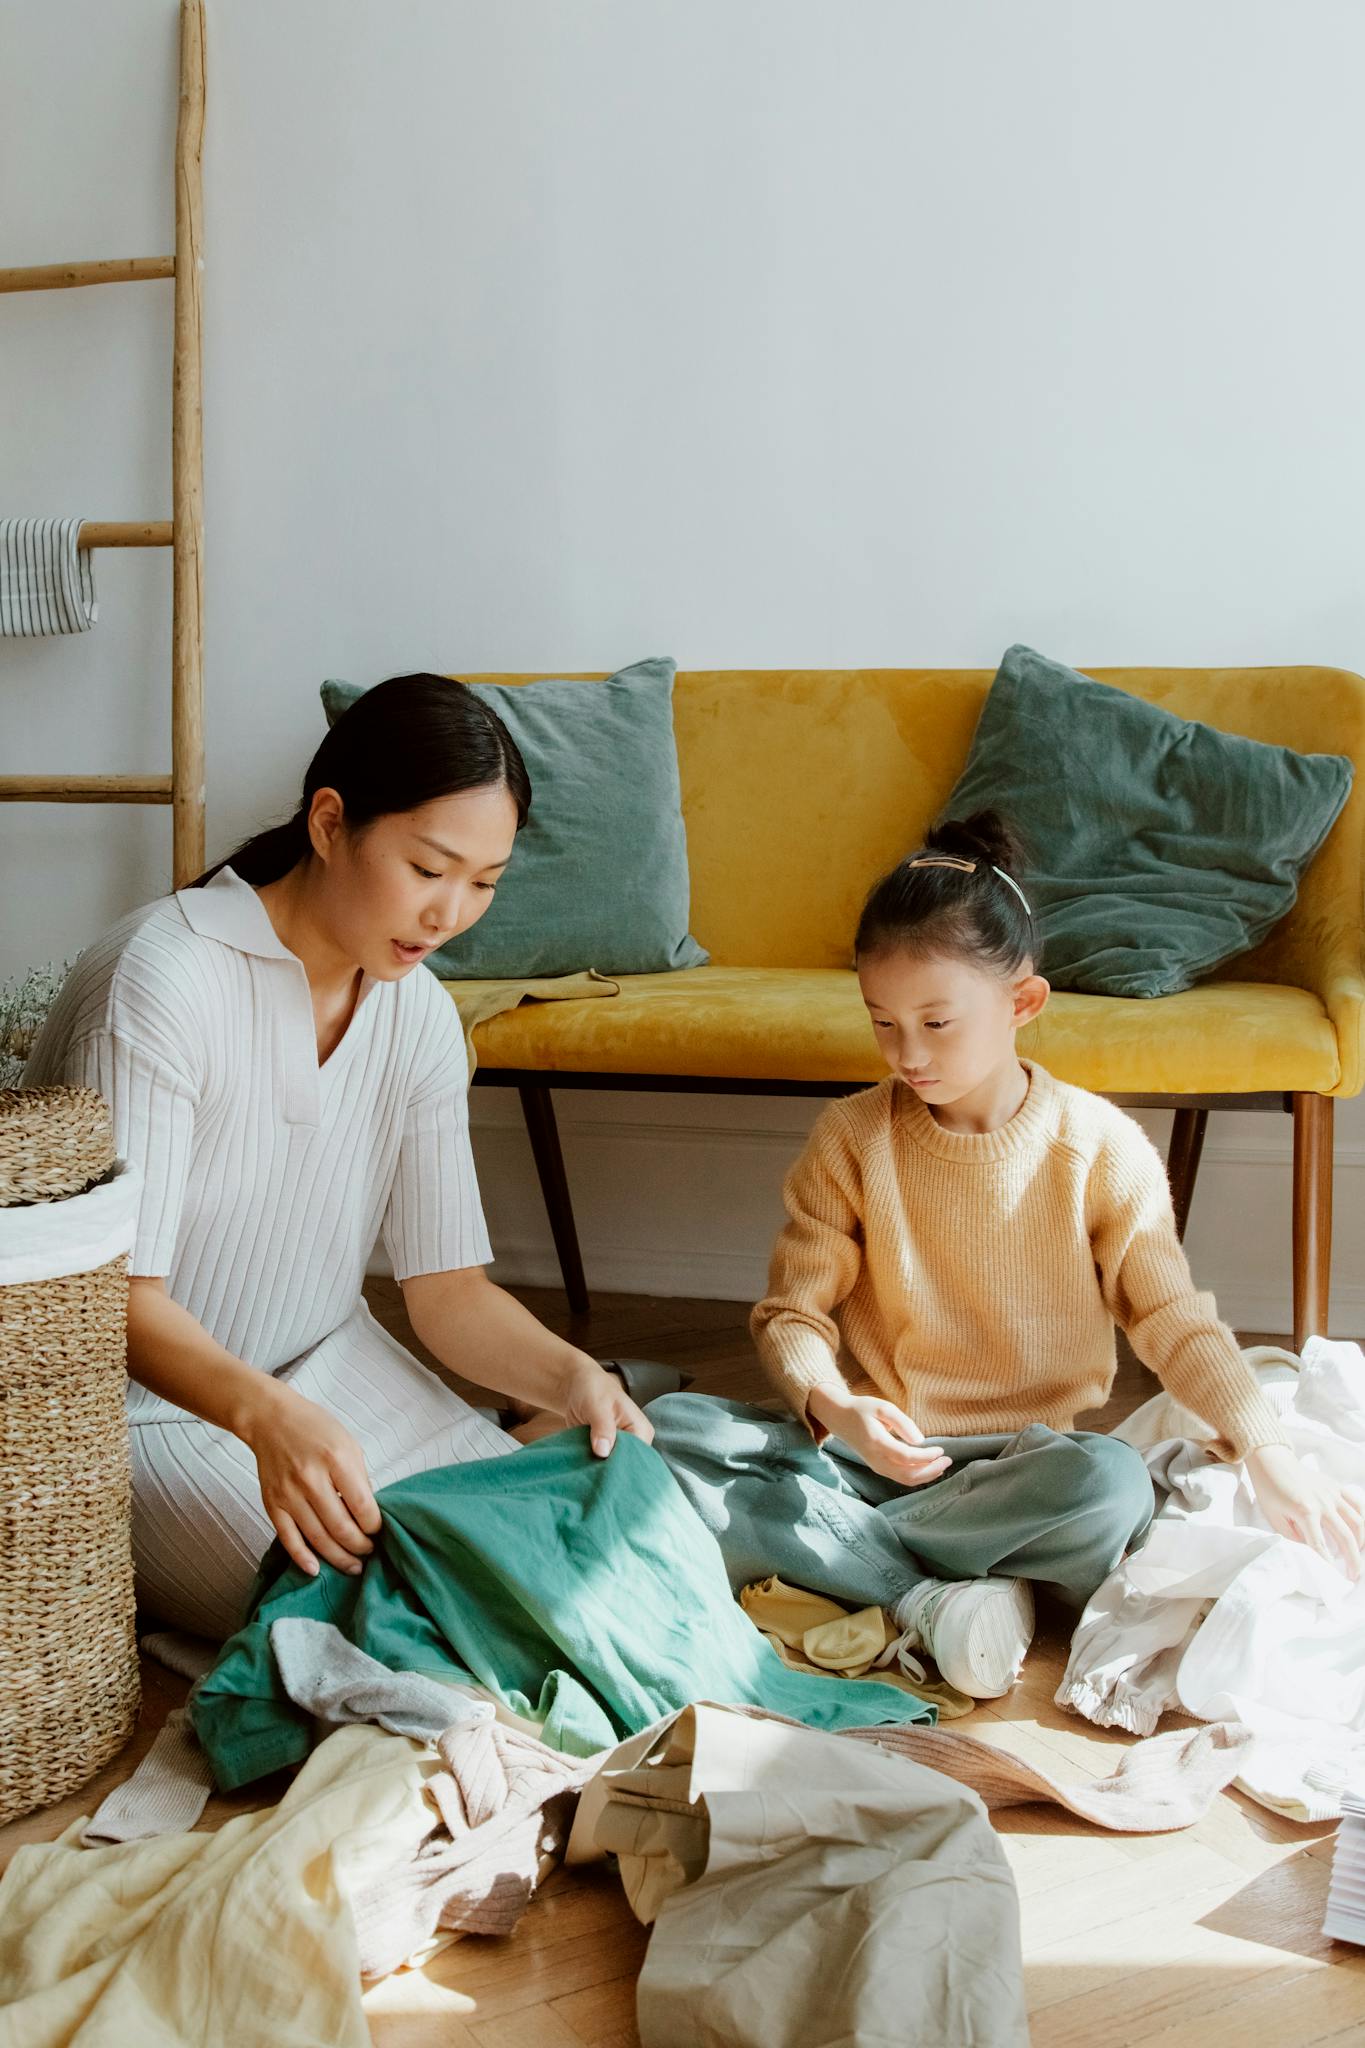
point(1158, 847)
point(599, 876)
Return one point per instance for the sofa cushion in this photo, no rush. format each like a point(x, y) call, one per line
point(1158, 847)
point(810, 1024)
point(599, 876)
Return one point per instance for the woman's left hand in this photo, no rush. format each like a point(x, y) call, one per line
point(596, 1398)
point(1321, 1512)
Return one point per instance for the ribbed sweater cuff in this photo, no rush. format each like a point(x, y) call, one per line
point(1229, 1399)
point(1196, 1358)
point(1250, 1427)
point(796, 1364)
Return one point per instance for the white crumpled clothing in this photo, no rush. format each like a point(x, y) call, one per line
point(1218, 1616)
point(806, 1891)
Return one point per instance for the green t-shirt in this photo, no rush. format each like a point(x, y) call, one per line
point(584, 1592)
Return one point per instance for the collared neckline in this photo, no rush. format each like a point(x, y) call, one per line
point(229, 910)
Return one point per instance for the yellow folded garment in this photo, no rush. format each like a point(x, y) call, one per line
point(477, 1001)
point(239, 1939)
point(812, 1633)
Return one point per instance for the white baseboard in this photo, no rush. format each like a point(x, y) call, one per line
point(742, 1277)
point(713, 1275)
point(680, 1196)
point(778, 1123)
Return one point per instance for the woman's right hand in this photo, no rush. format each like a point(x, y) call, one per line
point(881, 1433)
point(312, 1471)
point(313, 1480)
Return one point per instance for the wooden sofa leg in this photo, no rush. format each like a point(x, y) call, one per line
point(539, 1112)
point(1182, 1160)
point(1312, 1215)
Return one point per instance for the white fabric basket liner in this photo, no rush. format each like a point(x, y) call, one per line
point(49, 1240)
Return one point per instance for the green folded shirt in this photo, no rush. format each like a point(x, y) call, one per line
point(583, 1592)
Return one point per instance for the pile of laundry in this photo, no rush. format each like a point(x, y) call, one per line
point(527, 1670)
point(803, 1887)
point(1217, 1616)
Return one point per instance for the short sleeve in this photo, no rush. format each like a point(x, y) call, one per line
point(153, 1116)
point(434, 1222)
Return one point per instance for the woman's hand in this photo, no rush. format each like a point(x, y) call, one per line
point(313, 1479)
point(596, 1398)
point(1321, 1512)
point(477, 1329)
point(881, 1433)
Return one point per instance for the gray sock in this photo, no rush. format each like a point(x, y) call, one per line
point(328, 1676)
point(165, 1795)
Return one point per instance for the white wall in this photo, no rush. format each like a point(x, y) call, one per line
point(750, 331)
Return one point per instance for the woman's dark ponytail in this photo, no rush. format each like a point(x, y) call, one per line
point(961, 894)
point(402, 744)
point(269, 854)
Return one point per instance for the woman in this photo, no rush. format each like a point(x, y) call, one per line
point(291, 1084)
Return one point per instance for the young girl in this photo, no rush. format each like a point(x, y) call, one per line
point(964, 1237)
point(291, 1081)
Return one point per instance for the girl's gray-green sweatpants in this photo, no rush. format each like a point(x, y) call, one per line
point(1059, 1509)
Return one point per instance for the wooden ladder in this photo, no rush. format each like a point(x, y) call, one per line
point(183, 533)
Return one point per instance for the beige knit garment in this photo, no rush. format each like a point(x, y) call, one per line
point(975, 1280)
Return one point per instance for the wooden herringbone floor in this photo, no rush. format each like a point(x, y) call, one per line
point(1205, 1939)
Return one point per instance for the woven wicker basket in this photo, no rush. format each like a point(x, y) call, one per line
point(68, 1649)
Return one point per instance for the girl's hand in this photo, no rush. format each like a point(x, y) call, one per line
point(598, 1399)
point(313, 1480)
point(1321, 1512)
point(881, 1433)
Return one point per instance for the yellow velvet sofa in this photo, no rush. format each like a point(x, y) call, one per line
point(801, 786)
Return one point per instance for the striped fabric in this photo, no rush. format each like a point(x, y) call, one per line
point(199, 1529)
point(267, 1180)
point(47, 583)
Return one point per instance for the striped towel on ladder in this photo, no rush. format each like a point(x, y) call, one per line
point(47, 583)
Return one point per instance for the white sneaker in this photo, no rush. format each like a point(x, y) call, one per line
point(976, 1630)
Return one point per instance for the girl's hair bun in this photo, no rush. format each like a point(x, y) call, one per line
point(986, 835)
point(927, 906)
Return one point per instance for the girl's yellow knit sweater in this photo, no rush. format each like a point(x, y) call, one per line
point(975, 1280)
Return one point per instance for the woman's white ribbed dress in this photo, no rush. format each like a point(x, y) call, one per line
point(267, 1180)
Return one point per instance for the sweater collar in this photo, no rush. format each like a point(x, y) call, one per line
point(1020, 1134)
point(229, 910)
